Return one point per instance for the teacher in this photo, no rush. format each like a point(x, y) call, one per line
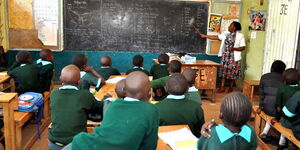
point(233, 42)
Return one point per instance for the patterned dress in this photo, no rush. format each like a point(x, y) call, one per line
point(230, 69)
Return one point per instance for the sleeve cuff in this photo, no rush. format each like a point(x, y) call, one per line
point(98, 83)
point(287, 112)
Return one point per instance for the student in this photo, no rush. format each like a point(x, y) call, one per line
point(268, 86)
point(69, 109)
point(46, 69)
point(106, 70)
point(192, 94)
point(26, 74)
point(292, 111)
point(160, 70)
point(285, 92)
point(174, 67)
point(176, 109)
point(137, 62)
point(129, 124)
point(87, 74)
point(235, 133)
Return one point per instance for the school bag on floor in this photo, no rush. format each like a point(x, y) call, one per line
point(32, 102)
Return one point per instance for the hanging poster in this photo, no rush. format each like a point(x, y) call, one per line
point(214, 23)
point(258, 20)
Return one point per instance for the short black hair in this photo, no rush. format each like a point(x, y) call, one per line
point(278, 66)
point(23, 57)
point(138, 60)
point(44, 53)
point(175, 66)
point(236, 109)
point(237, 26)
point(291, 76)
point(190, 75)
point(177, 84)
point(163, 59)
point(80, 61)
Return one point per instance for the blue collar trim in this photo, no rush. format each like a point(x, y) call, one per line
point(43, 62)
point(130, 99)
point(193, 89)
point(175, 96)
point(138, 67)
point(224, 133)
point(287, 112)
point(68, 87)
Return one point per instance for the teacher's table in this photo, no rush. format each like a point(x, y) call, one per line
point(206, 74)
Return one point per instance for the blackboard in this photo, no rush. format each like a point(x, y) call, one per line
point(134, 25)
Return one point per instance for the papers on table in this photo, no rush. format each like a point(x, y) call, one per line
point(115, 80)
point(181, 139)
point(4, 73)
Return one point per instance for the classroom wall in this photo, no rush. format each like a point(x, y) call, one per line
point(121, 60)
point(253, 55)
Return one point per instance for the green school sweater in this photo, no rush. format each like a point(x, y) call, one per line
point(138, 69)
point(87, 80)
point(193, 95)
point(13, 66)
point(159, 83)
point(69, 110)
point(46, 74)
point(107, 71)
point(223, 139)
point(159, 71)
point(127, 125)
point(292, 110)
point(27, 78)
point(176, 110)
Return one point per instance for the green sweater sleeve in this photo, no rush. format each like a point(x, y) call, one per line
point(159, 83)
point(199, 123)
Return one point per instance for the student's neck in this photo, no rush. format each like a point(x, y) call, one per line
point(233, 129)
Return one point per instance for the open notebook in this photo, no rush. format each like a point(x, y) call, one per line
point(182, 139)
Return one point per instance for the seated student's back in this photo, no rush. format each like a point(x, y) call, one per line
point(160, 70)
point(268, 86)
point(193, 93)
point(45, 64)
point(138, 63)
point(176, 109)
point(130, 123)
point(106, 70)
point(69, 108)
point(234, 134)
point(26, 74)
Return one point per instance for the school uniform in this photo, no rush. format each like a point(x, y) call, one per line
point(159, 71)
point(176, 109)
point(69, 109)
point(268, 87)
point(128, 124)
point(292, 110)
point(46, 74)
point(285, 92)
point(135, 68)
point(87, 79)
point(159, 83)
point(107, 71)
point(223, 139)
point(27, 78)
point(13, 66)
point(193, 95)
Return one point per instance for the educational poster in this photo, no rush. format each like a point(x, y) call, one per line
point(258, 20)
point(234, 10)
point(225, 24)
point(214, 24)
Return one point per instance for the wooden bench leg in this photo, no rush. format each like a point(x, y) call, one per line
point(19, 137)
point(257, 124)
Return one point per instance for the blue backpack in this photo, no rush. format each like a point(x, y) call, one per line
point(32, 102)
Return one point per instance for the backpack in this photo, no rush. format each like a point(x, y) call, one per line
point(32, 102)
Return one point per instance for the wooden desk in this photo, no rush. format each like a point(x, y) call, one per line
point(6, 82)
point(9, 103)
point(161, 145)
point(248, 88)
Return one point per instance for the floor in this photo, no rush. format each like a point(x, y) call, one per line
point(211, 111)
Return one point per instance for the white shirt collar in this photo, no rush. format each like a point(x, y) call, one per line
point(193, 89)
point(105, 66)
point(130, 99)
point(68, 87)
point(162, 64)
point(175, 96)
point(23, 65)
point(44, 62)
point(138, 67)
point(82, 73)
